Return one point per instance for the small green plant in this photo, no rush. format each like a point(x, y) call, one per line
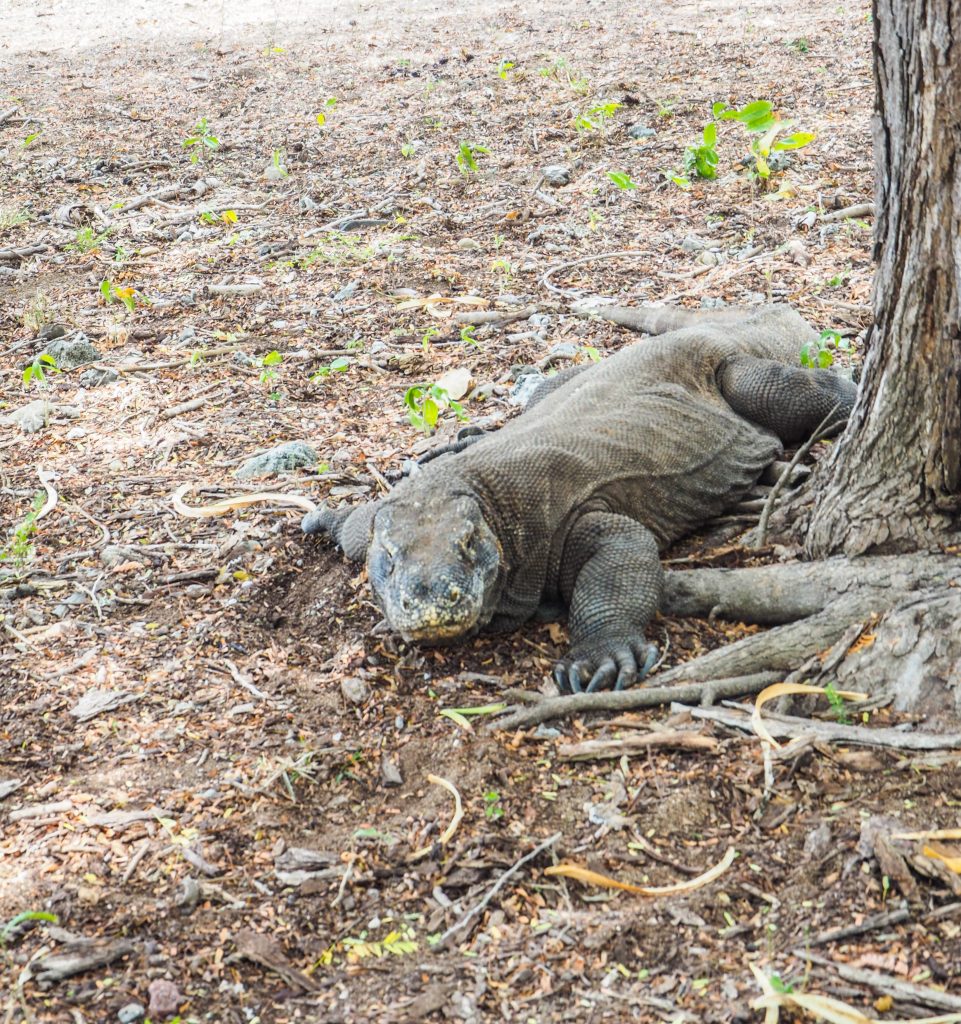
point(594, 220)
point(800, 45)
point(596, 117)
point(820, 354)
point(329, 105)
point(425, 403)
point(466, 157)
point(197, 357)
point(277, 159)
point(765, 126)
point(12, 217)
point(837, 704)
point(700, 160)
point(339, 365)
point(22, 918)
point(428, 336)
point(679, 179)
point(86, 240)
point(130, 297)
point(504, 269)
point(269, 361)
point(201, 141)
point(36, 372)
point(338, 249)
point(622, 181)
point(562, 72)
point(492, 806)
point(467, 335)
point(19, 549)
point(591, 353)
point(407, 150)
point(31, 138)
point(503, 67)
point(665, 109)
point(779, 985)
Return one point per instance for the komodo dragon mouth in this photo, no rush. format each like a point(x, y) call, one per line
point(434, 569)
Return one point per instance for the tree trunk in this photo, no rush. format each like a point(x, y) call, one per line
point(893, 482)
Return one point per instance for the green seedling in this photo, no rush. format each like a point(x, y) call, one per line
point(130, 297)
point(269, 361)
point(339, 365)
point(428, 336)
point(467, 335)
point(492, 806)
point(765, 125)
point(8, 930)
point(701, 160)
point(12, 217)
point(596, 117)
point(503, 67)
point(227, 217)
point(329, 105)
point(31, 138)
point(277, 157)
point(561, 71)
point(86, 240)
point(407, 150)
point(820, 354)
point(36, 372)
point(800, 45)
point(19, 549)
point(622, 181)
point(681, 180)
point(466, 157)
point(197, 357)
point(837, 704)
point(425, 403)
point(201, 141)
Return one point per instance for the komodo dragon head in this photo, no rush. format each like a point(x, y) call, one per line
point(434, 568)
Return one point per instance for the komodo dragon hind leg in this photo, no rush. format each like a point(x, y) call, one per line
point(611, 581)
point(788, 400)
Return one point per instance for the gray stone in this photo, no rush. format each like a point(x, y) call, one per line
point(282, 459)
point(556, 174)
point(641, 131)
point(97, 378)
point(131, 1012)
point(355, 690)
point(32, 417)
point(71, 351)
point(347, 291)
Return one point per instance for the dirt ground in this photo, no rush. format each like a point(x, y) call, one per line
point(237, 823)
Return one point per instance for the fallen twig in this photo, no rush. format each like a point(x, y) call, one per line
point(869, 924)
point(787, 726)
point(573, 292)
point(478, 908)
point(858, 210)
point(631, 700)
point(885, 983)
point(448, 832)
point(595, 750)
point(219, 508)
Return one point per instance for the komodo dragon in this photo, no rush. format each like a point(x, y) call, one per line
point(568, 504)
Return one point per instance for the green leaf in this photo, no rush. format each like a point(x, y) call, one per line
point(825, 358)
point(339, 364)
point(272, 358)
point(718, 109)
point(431, 412)
point(621, 180)
point(710, 134)
point(796, 141)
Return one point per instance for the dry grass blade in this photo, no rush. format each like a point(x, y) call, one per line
point(220, 508)
point(783, 690)
point(448, 832)
point(589, 877)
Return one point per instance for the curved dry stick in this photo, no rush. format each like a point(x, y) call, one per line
point(448, 832)
point(47, 476)
point(220, 508)
point(572, 292)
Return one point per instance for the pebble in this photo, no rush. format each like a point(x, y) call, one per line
point(355, 690)
point(70, 352)
point(468, 243)
point(31, 417)
point(556, 174)
point(95, 378)
point(641, 131)
point(129, 1013)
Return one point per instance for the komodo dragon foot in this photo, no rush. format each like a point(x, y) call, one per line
point(623, 665)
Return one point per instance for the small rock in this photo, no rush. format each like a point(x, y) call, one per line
point(282, 459)
point(711, 259)
point(641, 131)
point(389, 773)
point(692, 243)
point(32, 417)
point(556, 175)
point(50, 331)
point(70, 352)
point(347, 292)
point(355, 690)
point(116, 554)
point(468, 243)
point(165, 998)
point(129, 1013)
point(795, 248)
point(818, 841)
point(97, 378)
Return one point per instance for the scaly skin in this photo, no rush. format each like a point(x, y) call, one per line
point(567, 505)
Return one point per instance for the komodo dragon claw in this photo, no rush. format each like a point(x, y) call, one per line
point(622, 665)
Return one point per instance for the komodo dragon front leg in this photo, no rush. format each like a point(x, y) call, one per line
point(790, 401)
point(611, 579)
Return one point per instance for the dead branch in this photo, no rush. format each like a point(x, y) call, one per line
point(602, 749)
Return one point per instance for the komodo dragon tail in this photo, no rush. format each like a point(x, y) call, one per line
point(660, 320)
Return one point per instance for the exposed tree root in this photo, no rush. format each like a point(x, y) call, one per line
point(818, 609)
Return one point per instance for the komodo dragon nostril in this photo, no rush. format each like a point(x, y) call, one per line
point(453, 594)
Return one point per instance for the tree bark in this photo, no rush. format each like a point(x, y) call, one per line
point(893, 482)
